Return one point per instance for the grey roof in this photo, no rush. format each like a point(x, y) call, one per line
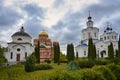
point(20, 33)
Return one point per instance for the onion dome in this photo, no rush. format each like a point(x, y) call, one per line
point(105, 31)
point(21, 33)
point(107, 28)
point(43, 33)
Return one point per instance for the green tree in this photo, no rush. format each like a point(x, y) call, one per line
point(90, 50)
point(37, 52)
point(2, 58)
point(94, 52)
point(56, 53)
point(119, 47)
point(30, 63)
point(70, 52)
point(110, 51)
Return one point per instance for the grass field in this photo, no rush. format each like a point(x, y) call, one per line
point(17, 72)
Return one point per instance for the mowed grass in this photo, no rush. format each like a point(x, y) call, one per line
point(17, 72)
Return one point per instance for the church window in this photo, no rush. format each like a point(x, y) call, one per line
point(105, 38)
point(18, 49)
point(25, 54)
point(11, 55)
point(89, 35)
point(19, 39)
point(101, 45)
point(84, 52)
point(95, 34)
point(115, 37)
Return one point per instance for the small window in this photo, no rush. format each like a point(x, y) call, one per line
point(105, 38)
point(11, 55)
point(19, 39)
point(84, 52)
point(95, 34)
point(89, 35)
point(101, 45)
point(25, 54)
point(18, 49)
point(115, 37)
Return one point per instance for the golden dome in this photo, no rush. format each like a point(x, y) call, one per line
point(43, 32)
point(56, 41)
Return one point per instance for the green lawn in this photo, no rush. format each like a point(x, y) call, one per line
point(17, 72)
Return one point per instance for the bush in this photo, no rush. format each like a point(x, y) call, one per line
point(43, 67)
point(86, 64)
point(115, 69)
point(90, 74)
point(86, 74)
point(30, 63)
point(72, 65)
point(61, 76)
point(102, 62)
point(108, 75)
point(47, 61)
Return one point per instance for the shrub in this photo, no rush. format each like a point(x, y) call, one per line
point(47, 61)
point(62, 75)
point(115, 69)
point(72, 65)
point(90, 74)
point(102, 62)
point(30, 63)
point(86, 64)
point(43, 67)
point(108, 75)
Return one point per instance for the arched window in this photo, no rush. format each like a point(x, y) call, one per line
point(18, 49)
point(11, 56)
point(19, 39)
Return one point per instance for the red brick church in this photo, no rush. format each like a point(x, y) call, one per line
point(46, 49)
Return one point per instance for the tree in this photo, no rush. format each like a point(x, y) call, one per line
point(30, 63)
point(110, 51)
point(70, 52)
point(119, 47)
point(2, 58)
point(94, 52)
point(37, 52)
point(90, 49)
point(56, 53)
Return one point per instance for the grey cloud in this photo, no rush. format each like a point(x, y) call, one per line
point(34, 11)
point(8, 17)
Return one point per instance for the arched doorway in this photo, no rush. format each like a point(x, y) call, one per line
point(103, 53)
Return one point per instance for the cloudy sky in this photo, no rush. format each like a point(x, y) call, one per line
point(62, 19)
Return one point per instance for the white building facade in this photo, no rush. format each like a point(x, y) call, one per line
point(101, 44)
point(20, 47)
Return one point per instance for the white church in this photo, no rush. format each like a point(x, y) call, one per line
point(101, 43)
point(19, 48)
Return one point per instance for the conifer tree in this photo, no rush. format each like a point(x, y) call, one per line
point(90, 49)
point(37, 52)
point(119, 47)
point(110, 51)
point(56, 53)
point(94, 52)
point(70, 52)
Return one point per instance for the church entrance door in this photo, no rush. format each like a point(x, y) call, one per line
point(18, 57)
